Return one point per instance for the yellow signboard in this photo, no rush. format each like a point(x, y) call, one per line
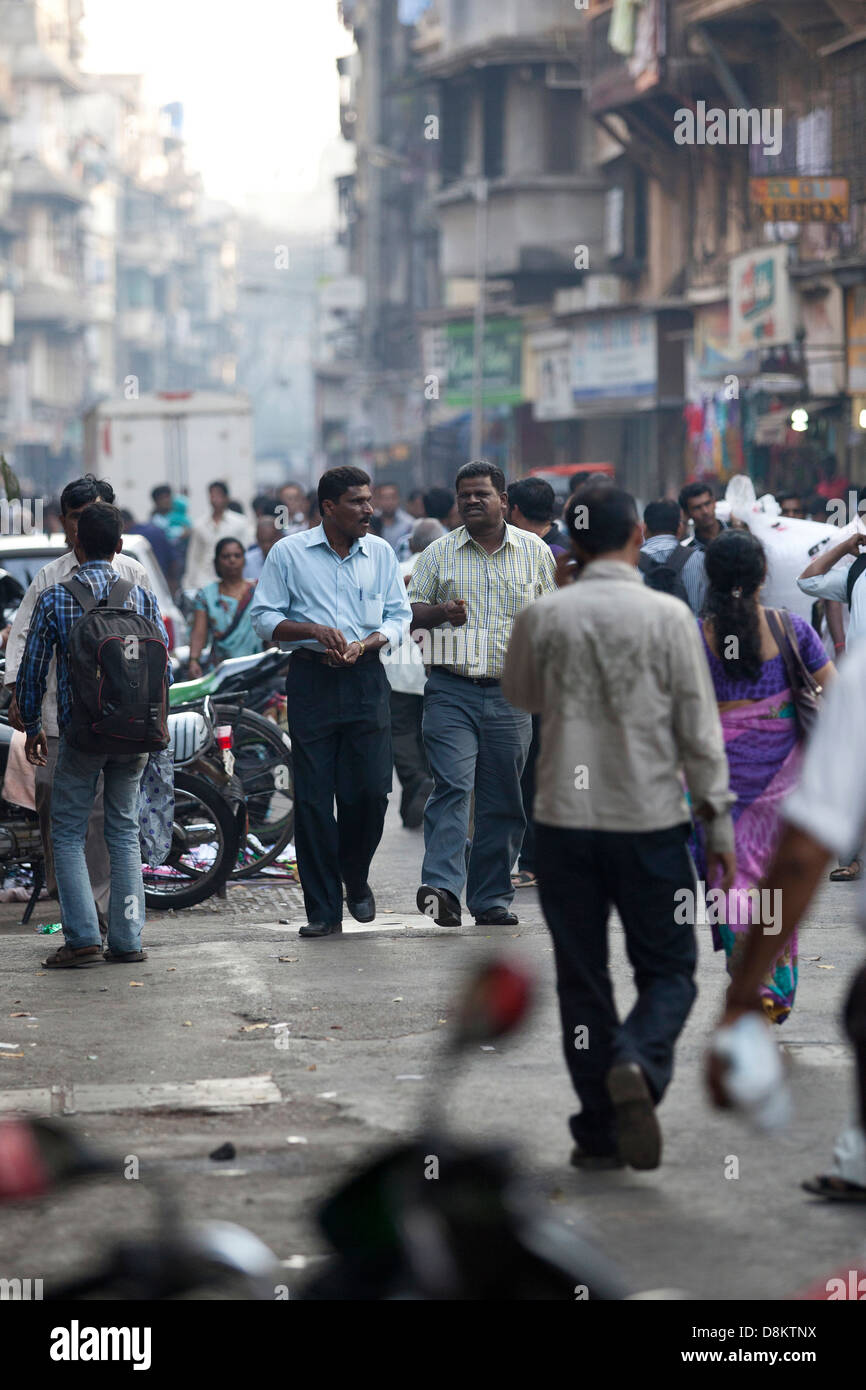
point(800, 200)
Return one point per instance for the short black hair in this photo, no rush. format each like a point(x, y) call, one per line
point(662, 518)
point(337, 481)
point(82, 491)
point(692, 490)
point(534, 497)
point(789, 497)
point(220, 547)
point(234, 506)
point(100, 528)
point(221, 485)
point(480, 468)
point(438, 503)
point(606, 521)
point(262, 502)
point(160, 491)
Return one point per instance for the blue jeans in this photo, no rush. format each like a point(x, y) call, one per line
point(475, 740)
point(71, 803)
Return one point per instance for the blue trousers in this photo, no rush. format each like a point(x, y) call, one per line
point(72, 798)
point(475, 741)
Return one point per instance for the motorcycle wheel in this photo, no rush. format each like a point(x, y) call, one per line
point(263, 762)
point(203, 819)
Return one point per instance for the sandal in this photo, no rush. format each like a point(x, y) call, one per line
point(524, 879)
point(123, 957)
point(849, 874)
point(835, 1189)
point(73, 958)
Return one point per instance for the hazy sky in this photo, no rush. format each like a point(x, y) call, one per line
point(259, 87)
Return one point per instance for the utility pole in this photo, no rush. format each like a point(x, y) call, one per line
point(480, 317)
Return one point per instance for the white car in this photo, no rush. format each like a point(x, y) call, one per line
point(23, 557)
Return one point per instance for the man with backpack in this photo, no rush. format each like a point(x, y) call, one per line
point(662, 558)
point(77, 495)
point(112, 705)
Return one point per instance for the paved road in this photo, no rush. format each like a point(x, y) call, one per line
point(364, 1011)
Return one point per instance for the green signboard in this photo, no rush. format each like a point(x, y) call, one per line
point(503, 341)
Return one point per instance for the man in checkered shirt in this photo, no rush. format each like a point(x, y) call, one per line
point(98, 539)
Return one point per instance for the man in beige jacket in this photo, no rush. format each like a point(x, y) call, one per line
point(618, 675)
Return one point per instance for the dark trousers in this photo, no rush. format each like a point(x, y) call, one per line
point(582, 874)
point(527, 791)
point(340, 727)
point(410, 757)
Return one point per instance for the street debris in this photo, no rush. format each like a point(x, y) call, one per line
point(224, 1152)
point(295, 1139)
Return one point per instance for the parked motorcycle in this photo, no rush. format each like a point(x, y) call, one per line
point(208, 829)
point(442, 1219)
point(239, 689)
point(210, 814)
point(179, 1259)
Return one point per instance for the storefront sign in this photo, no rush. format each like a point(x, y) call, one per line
point(800, 200)
point(760, 299)
point(714, 357)
point(615, 357)
point(552, 363)
point(857, 340)
point(451, 355)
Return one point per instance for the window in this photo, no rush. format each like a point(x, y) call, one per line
point(493, 107)
point(562, 127)
point(456, 108)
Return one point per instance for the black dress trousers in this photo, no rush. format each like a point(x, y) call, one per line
point(340, 727)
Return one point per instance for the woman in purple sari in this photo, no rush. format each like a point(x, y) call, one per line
point(762, 739)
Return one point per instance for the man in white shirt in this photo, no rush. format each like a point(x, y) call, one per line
point(75, 497)
point(219, 523)
point(828, 577)
point(826, 814)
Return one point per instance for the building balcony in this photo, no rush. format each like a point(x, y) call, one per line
point(45, 297)
point(534, 225)
point(821, 27)
point(143, 329)
point(458, 34)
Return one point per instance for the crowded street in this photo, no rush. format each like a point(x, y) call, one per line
point(365, 1018)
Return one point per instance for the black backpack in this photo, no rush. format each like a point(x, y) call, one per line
point(666, 575)
point(854, 574)
point(118, 667)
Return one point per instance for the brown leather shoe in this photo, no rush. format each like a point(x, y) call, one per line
point(69, 958)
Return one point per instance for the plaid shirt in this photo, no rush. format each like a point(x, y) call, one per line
point(55, 614)
point(495, 589)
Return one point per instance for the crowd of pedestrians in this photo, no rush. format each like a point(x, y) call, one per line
point(597, 705)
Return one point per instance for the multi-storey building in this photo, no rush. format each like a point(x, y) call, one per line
point(116, 274)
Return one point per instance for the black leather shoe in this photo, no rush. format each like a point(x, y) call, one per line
point(639, 1138)
point(321, 929)
point(362, 908)
point(497, 917)
point(439, 904)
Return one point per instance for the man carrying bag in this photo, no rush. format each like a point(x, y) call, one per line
point(112, 677)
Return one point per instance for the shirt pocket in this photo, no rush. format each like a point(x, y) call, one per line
point(372, 605)
point(517, 590)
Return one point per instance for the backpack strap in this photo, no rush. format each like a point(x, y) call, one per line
point(679, 557)
point(854, 574)
point(83, 594)
point(118, 593)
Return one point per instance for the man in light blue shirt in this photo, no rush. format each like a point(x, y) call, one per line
point(336, 596)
